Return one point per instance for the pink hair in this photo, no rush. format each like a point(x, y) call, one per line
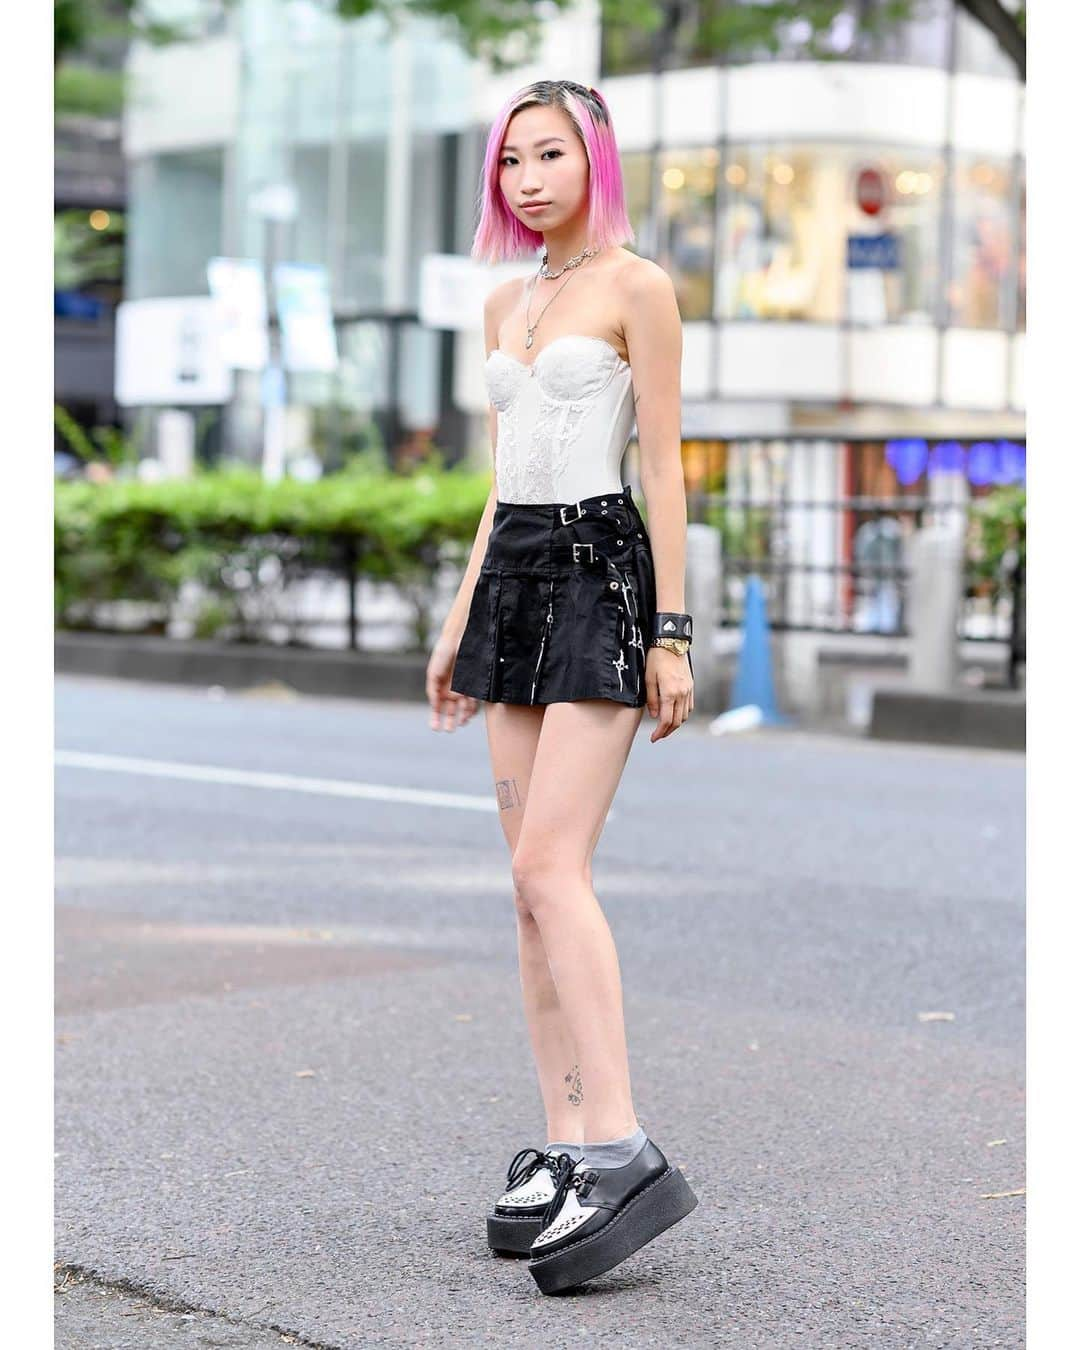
point(500, 235)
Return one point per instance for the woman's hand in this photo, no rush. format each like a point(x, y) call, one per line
point(454, 709)
point(669, 689)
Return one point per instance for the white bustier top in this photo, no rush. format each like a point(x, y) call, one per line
point(563, 421)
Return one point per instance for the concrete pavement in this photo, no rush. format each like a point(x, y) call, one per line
point(292, 1064)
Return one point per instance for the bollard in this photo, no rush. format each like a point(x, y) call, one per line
point(934, 598)
point(703, 576)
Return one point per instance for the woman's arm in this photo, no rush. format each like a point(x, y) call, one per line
point(653, 331)
point(454, 623)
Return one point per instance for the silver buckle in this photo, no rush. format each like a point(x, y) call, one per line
point(575, 547)
point(563, 510)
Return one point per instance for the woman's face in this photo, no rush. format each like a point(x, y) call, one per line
point(542, 160)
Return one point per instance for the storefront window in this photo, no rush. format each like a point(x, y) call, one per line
point(911, 214)
point(982, 241)
point(788, 214)
point(685, 227)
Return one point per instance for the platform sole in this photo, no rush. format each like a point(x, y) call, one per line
point(513, 1236)
point(660, 1205)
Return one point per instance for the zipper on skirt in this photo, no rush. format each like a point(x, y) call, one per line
point(543, 639)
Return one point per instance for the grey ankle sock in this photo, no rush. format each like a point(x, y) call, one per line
point(575, 1150)
point(616, 1152)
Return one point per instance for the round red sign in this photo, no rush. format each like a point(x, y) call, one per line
point(870, 191)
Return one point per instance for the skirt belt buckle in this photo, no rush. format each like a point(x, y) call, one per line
point(576, 506)
point(575, 548)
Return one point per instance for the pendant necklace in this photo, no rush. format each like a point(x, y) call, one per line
point(575, 262)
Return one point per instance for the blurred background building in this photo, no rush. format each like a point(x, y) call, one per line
point(845, 235)
point(271, 267)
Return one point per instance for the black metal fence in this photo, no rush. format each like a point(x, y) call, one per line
point(825, 523)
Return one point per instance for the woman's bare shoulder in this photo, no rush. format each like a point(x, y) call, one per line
point(501, 298)
point(636, 274)
point(498, 305)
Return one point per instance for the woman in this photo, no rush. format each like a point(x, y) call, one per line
point(570, 621)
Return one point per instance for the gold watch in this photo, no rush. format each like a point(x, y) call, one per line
point(680, 646)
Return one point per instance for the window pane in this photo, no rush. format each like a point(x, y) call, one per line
point(912, 214)
point(624, 50)
point(364, 246)
point(981, 244)
point(788, 214)
point(174, 223)
point(782, 234)
point(310, 242)
point(977, 50)
point(637, 174)
point(701, 32)
point(1021, 262)
point(686, 227)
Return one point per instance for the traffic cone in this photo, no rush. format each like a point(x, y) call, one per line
point(754, 678)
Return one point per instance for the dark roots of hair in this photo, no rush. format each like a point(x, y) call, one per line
point(550, 92)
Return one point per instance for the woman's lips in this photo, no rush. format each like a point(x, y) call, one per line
point(535, 206)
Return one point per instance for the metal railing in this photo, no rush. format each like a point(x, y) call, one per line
point(825, 523)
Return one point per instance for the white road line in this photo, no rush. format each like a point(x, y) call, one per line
point(274, 782)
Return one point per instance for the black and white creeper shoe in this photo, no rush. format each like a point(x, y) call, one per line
point(599, 1216)
point(518, 1215)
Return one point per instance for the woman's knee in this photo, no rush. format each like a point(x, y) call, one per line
point(541, 877)
point(521, 907)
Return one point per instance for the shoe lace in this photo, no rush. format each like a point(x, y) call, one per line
point(523, 1165)
point(566, 1179)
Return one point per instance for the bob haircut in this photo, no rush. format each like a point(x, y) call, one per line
point(500, 236)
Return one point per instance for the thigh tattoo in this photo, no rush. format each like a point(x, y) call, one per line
point(506, 790)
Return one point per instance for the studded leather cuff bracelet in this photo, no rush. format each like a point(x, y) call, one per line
point(673, 625)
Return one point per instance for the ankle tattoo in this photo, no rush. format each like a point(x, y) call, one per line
point(575, 1095)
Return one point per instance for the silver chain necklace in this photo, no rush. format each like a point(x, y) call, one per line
point(586, 252)
point(582, 257)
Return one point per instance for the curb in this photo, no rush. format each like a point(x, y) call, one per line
point(991, 719)
point(382, 675)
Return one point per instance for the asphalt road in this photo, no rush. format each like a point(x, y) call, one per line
point(292, 1064)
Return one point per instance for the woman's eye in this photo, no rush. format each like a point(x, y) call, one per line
point(509, 159)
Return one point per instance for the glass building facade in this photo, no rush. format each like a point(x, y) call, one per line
point(377, 139)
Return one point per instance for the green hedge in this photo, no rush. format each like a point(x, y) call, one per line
point(131, 540)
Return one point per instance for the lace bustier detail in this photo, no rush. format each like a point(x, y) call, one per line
point(563, 421)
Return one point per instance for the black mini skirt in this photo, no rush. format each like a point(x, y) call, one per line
point(563, 605)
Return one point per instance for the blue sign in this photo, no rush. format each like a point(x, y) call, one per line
point(877, 252)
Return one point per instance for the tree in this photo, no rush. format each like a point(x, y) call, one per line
point(498, 29)
point(504, 32)
point(89, 39)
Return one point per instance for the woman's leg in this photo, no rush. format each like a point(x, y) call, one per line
point(578, 761)
point(513, 731)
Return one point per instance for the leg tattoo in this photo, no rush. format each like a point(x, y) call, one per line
point(506, 790)
point(575, 1094)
